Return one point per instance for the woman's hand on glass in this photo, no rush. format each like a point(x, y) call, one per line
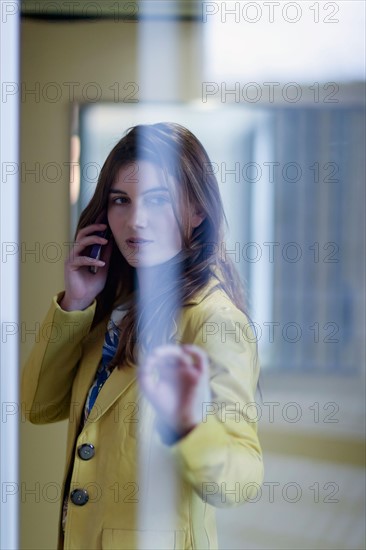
point(81, 285)
point(175, 380)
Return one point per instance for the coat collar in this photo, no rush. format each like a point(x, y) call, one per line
point(214, 282)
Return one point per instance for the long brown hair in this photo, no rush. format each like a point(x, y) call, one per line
point(192, 185)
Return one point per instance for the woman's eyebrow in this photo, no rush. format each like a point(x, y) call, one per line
point(157, 189)
point(118, 192)
point(153, 190)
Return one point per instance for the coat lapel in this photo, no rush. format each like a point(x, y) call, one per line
point(116, 385)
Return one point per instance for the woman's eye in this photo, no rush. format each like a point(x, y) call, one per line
point(159, 200)
point(120, 200)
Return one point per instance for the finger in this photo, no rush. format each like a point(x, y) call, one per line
point(180, 356)
point(82, 261)
point(88, 241)
point(169, 360)
point(167, 352)
point(148, 380)
point(173, 348)
point(198, 355)
point(80, 249)
point(181, 349)
point(174, 370)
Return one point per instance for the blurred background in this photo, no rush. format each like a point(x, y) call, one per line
point(276, 93)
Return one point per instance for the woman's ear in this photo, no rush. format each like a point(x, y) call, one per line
point(197, 218)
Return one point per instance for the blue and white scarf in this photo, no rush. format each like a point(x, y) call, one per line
point(110, 345)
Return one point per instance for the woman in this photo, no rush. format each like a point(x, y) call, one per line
point(150, 356)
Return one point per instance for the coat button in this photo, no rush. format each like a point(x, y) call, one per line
point(86, 451)
point(79, 497)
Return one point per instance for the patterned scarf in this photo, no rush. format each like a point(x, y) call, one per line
point(104, 370)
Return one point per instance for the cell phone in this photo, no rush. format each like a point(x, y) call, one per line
point(96, 249)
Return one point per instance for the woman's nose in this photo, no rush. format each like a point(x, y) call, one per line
point(137, 217)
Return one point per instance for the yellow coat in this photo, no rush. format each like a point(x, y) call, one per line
point(144, 493)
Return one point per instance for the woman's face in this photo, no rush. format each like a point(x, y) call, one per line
point(141, 216)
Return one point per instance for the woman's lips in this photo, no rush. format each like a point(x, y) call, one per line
point(137, 243)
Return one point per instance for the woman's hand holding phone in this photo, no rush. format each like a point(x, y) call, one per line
point(81, 284)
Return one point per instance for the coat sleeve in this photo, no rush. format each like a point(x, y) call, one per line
point(221, 457)
point(50, 370)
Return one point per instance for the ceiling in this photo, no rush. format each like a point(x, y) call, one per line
point(111, 9)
